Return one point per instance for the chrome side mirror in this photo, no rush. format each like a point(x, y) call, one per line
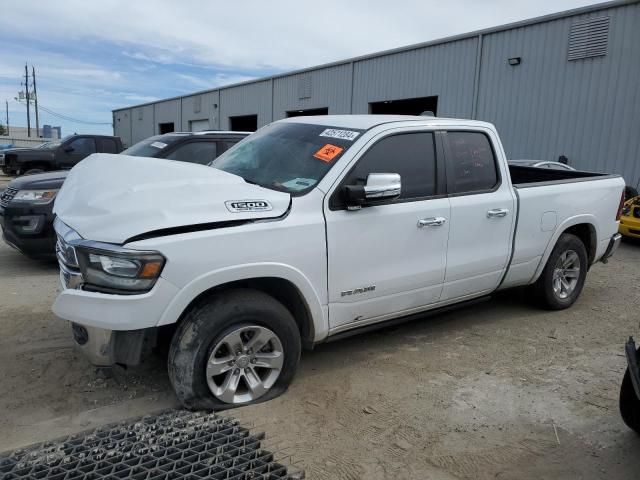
point(382, 186)
point(378, 188)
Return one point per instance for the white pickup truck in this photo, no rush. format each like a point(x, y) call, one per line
point(311, 229)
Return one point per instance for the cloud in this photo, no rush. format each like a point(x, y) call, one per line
point(140, 98)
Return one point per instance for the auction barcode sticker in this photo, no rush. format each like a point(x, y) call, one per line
point(341, 134)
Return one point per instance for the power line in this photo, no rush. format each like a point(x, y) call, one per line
point(68, 118)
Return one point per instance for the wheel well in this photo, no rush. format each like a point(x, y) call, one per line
point(587, 234)
point(282, 290)
point(35, 164)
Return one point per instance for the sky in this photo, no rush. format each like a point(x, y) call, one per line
point(95, 56)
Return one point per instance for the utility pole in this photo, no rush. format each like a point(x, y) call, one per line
point(35, 96)
point(26, 86)
point(6, 106)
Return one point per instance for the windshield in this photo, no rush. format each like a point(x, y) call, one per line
point(290, 157)
point(150, 147)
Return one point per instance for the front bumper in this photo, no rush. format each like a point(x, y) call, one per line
point(633, 361)
point(115, 312)
point(104, 348)
point(614, 243)
point(629, 227)
point(29, 229)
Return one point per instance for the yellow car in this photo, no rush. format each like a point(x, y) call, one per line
point(630, 219)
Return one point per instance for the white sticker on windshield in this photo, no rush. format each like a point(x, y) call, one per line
point(158, 144)
point(299, 183)
point(341, 134)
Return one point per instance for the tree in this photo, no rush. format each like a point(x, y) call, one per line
point(3, 131)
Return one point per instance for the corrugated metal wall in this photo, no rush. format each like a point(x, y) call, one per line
point(200, 107)
point(248, 99)
point(446, 70)
point(325, 88)
point(122, 126)
point(166, 112)
point(142, 122)
point(586, 109)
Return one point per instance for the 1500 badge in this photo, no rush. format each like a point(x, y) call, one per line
point(237, 206)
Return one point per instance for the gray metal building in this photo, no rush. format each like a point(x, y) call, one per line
point(563, 84)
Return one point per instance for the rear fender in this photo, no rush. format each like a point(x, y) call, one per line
point(568, 223)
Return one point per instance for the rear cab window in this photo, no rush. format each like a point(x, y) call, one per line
point(107, 145)
point(471, 163)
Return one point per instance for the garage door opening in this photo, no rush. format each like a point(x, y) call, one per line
point(166, 127)
point(198, 125)
point(308, 112)
point(407, 106)
point(244, 123)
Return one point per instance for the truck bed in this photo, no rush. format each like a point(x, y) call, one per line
point(531, 176)
point(550, 201)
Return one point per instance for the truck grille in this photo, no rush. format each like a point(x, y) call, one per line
point(7, 196)
point(70, 276)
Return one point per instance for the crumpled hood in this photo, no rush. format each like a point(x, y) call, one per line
point(112, 198)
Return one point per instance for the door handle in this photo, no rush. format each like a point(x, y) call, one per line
point(497, 213)
point(432, 222)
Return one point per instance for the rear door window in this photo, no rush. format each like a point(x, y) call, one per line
point(471, 163)
point(107, 145)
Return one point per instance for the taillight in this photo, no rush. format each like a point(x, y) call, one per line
point(620, 207)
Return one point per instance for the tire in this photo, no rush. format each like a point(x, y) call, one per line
point(33, 171)
point(629, 404)
point(629, 192)
point(201, 337)
point(568, 246)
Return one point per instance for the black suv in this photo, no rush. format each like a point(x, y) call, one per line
point(56, 155)
point(26, 206)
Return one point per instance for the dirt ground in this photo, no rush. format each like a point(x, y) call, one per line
point(500, 390)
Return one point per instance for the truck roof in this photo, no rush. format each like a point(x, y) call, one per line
point(365, 122)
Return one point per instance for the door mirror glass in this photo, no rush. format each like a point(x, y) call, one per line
point(379, 187)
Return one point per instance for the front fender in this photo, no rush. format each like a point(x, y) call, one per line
point(588, 219)
point(223, 276)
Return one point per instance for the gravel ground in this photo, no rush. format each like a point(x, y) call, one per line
point(499, 390)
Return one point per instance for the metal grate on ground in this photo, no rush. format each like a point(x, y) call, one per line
point(172, 445)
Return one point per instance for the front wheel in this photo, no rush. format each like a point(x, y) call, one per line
point(238, 347)
point(629, 404)
point(563, 277)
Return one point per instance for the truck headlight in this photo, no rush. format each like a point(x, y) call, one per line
point(119, 272)
point(40, 197)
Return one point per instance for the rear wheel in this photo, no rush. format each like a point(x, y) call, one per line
point(629, 404)
point(238, 347)
point(562, 279)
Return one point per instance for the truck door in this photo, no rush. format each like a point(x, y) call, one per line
point(482, 215)
point(390, 257)
point(71, 152)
